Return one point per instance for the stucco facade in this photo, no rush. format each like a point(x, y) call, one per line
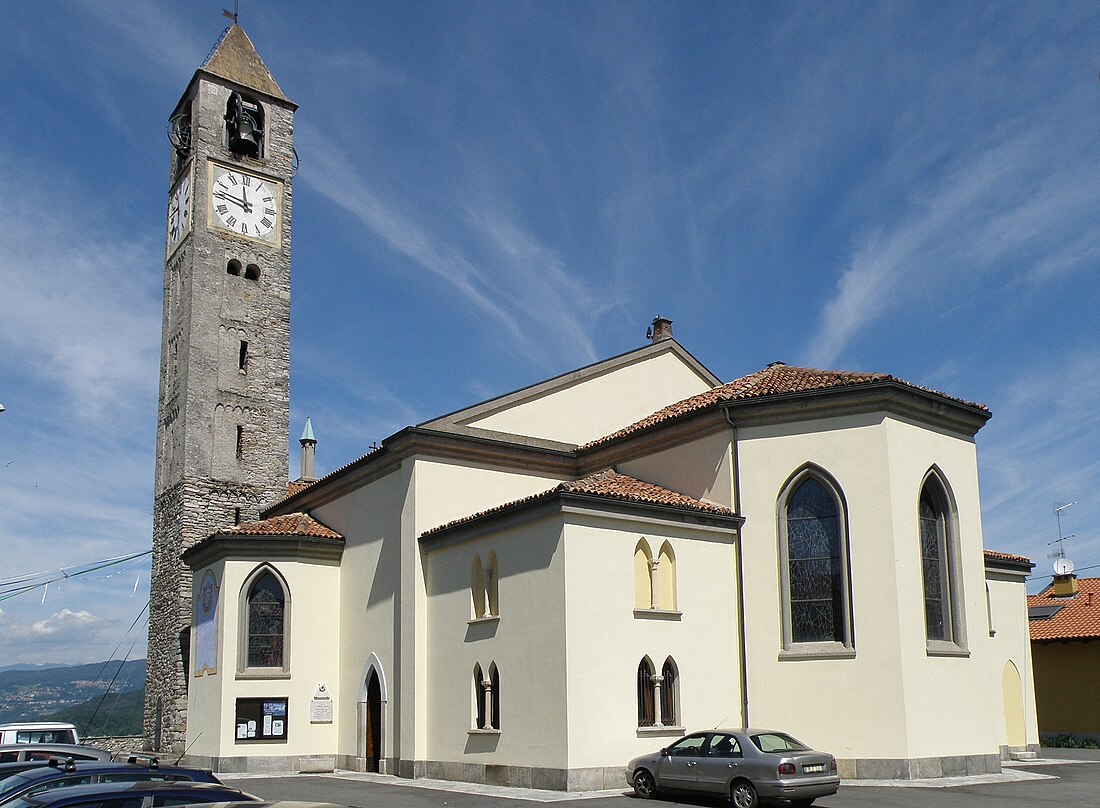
point(484, 613)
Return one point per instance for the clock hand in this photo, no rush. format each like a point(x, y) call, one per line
point(239, 203)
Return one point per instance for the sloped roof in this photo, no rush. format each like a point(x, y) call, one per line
point(993, 555)
point(774, 380)
point(290, 524)
point(609, 484)
point(1078, 619)
point(235, 58)
point(294, 486)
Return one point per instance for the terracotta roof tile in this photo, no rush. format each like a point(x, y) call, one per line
point(609, 484)
point(290, 524)
point(774, 380)
point(1079, 617)
point(993, 555)
point(294, 486)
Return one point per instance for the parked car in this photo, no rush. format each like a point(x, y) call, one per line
point(744, 765)
point(16, 752)
point(57, 774)
point(132, 795)
point(38, 732)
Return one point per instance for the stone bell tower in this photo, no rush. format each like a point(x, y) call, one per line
point(222, 424)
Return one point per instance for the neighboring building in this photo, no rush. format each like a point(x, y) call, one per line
point(539, 587)
point(1065, 648)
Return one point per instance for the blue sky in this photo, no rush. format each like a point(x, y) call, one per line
point(494, 193)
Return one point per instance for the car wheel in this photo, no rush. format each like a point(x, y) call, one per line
point(644, 784)
point(743, 795)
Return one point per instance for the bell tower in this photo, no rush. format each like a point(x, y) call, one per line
point(222, 424)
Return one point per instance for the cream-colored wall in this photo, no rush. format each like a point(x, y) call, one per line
point(369, 518)
point(443, 492)
point(851, 707)
point(580, 412)
point(952, 703)
point(527, 644)
point(1012, 643)
point(606, 641)
point(924, 706)
point(314, 658)
point(700, 468)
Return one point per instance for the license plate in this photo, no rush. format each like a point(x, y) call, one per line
point(814, 768)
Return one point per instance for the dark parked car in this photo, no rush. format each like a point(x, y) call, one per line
point(57, 774)
point(744, 765)
point(132, 795)
point(18, 752)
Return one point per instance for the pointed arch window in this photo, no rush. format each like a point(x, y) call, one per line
point(647, 707)
point(486, 699)
point(665, 583)
point(939, 567)
point(655, 581)
point(670, 692)
point(814, 567)
point(484, 589)
point(265, 622)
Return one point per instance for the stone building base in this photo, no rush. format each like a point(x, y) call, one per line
point(917, 768)
point(588, 779)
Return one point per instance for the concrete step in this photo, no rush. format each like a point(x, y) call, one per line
point(1023, 754)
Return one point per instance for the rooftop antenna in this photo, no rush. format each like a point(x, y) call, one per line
point(1061, 552)
point(234, 13)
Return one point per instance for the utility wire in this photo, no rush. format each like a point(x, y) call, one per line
point(31, 576)
point(63, 574)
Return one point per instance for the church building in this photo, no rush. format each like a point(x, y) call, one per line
point(534, 589)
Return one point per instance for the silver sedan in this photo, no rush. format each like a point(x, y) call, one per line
point(744, 765)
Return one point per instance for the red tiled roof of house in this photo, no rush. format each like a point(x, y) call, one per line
point(294, 486)
point(774, 380)
point(290, 524)
point(1079, 617)
point(996, 556)
point(610, 484)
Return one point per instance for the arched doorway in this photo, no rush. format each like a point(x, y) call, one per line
point(1013, 693)
point(374, 722)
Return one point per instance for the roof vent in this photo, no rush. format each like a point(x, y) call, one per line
point(661, 329)
point(777, 364)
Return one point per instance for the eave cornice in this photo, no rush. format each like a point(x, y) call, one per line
point(223, 545)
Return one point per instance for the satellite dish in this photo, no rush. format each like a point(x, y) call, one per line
point(1063, 566)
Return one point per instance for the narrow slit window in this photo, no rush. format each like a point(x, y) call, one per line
point(240, 441)
point(242, 357)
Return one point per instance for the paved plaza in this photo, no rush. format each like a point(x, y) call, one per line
point(1069, 777)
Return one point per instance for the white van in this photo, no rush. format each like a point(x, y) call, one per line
point(38, 732)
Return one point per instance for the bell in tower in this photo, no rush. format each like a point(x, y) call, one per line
point(244, 126)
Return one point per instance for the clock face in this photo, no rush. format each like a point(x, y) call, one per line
point(179, 212)
point(244, 204)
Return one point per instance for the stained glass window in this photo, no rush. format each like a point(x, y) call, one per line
point(646, 716)
point(933, 551)
point(668, 693)
point(266, 613)
point(816, 570)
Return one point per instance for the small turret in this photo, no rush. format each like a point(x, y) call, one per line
point(309, 450)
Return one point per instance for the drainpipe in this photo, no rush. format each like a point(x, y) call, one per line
point(743, 667)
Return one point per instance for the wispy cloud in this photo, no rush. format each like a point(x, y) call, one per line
point(521, 285)
point(994, 210)
point(80, 310)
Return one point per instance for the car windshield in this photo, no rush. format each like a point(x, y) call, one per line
point(778, 742)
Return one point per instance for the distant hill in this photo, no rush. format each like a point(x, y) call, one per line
point(32, 666)
point(117, 714)
point(31, 695)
